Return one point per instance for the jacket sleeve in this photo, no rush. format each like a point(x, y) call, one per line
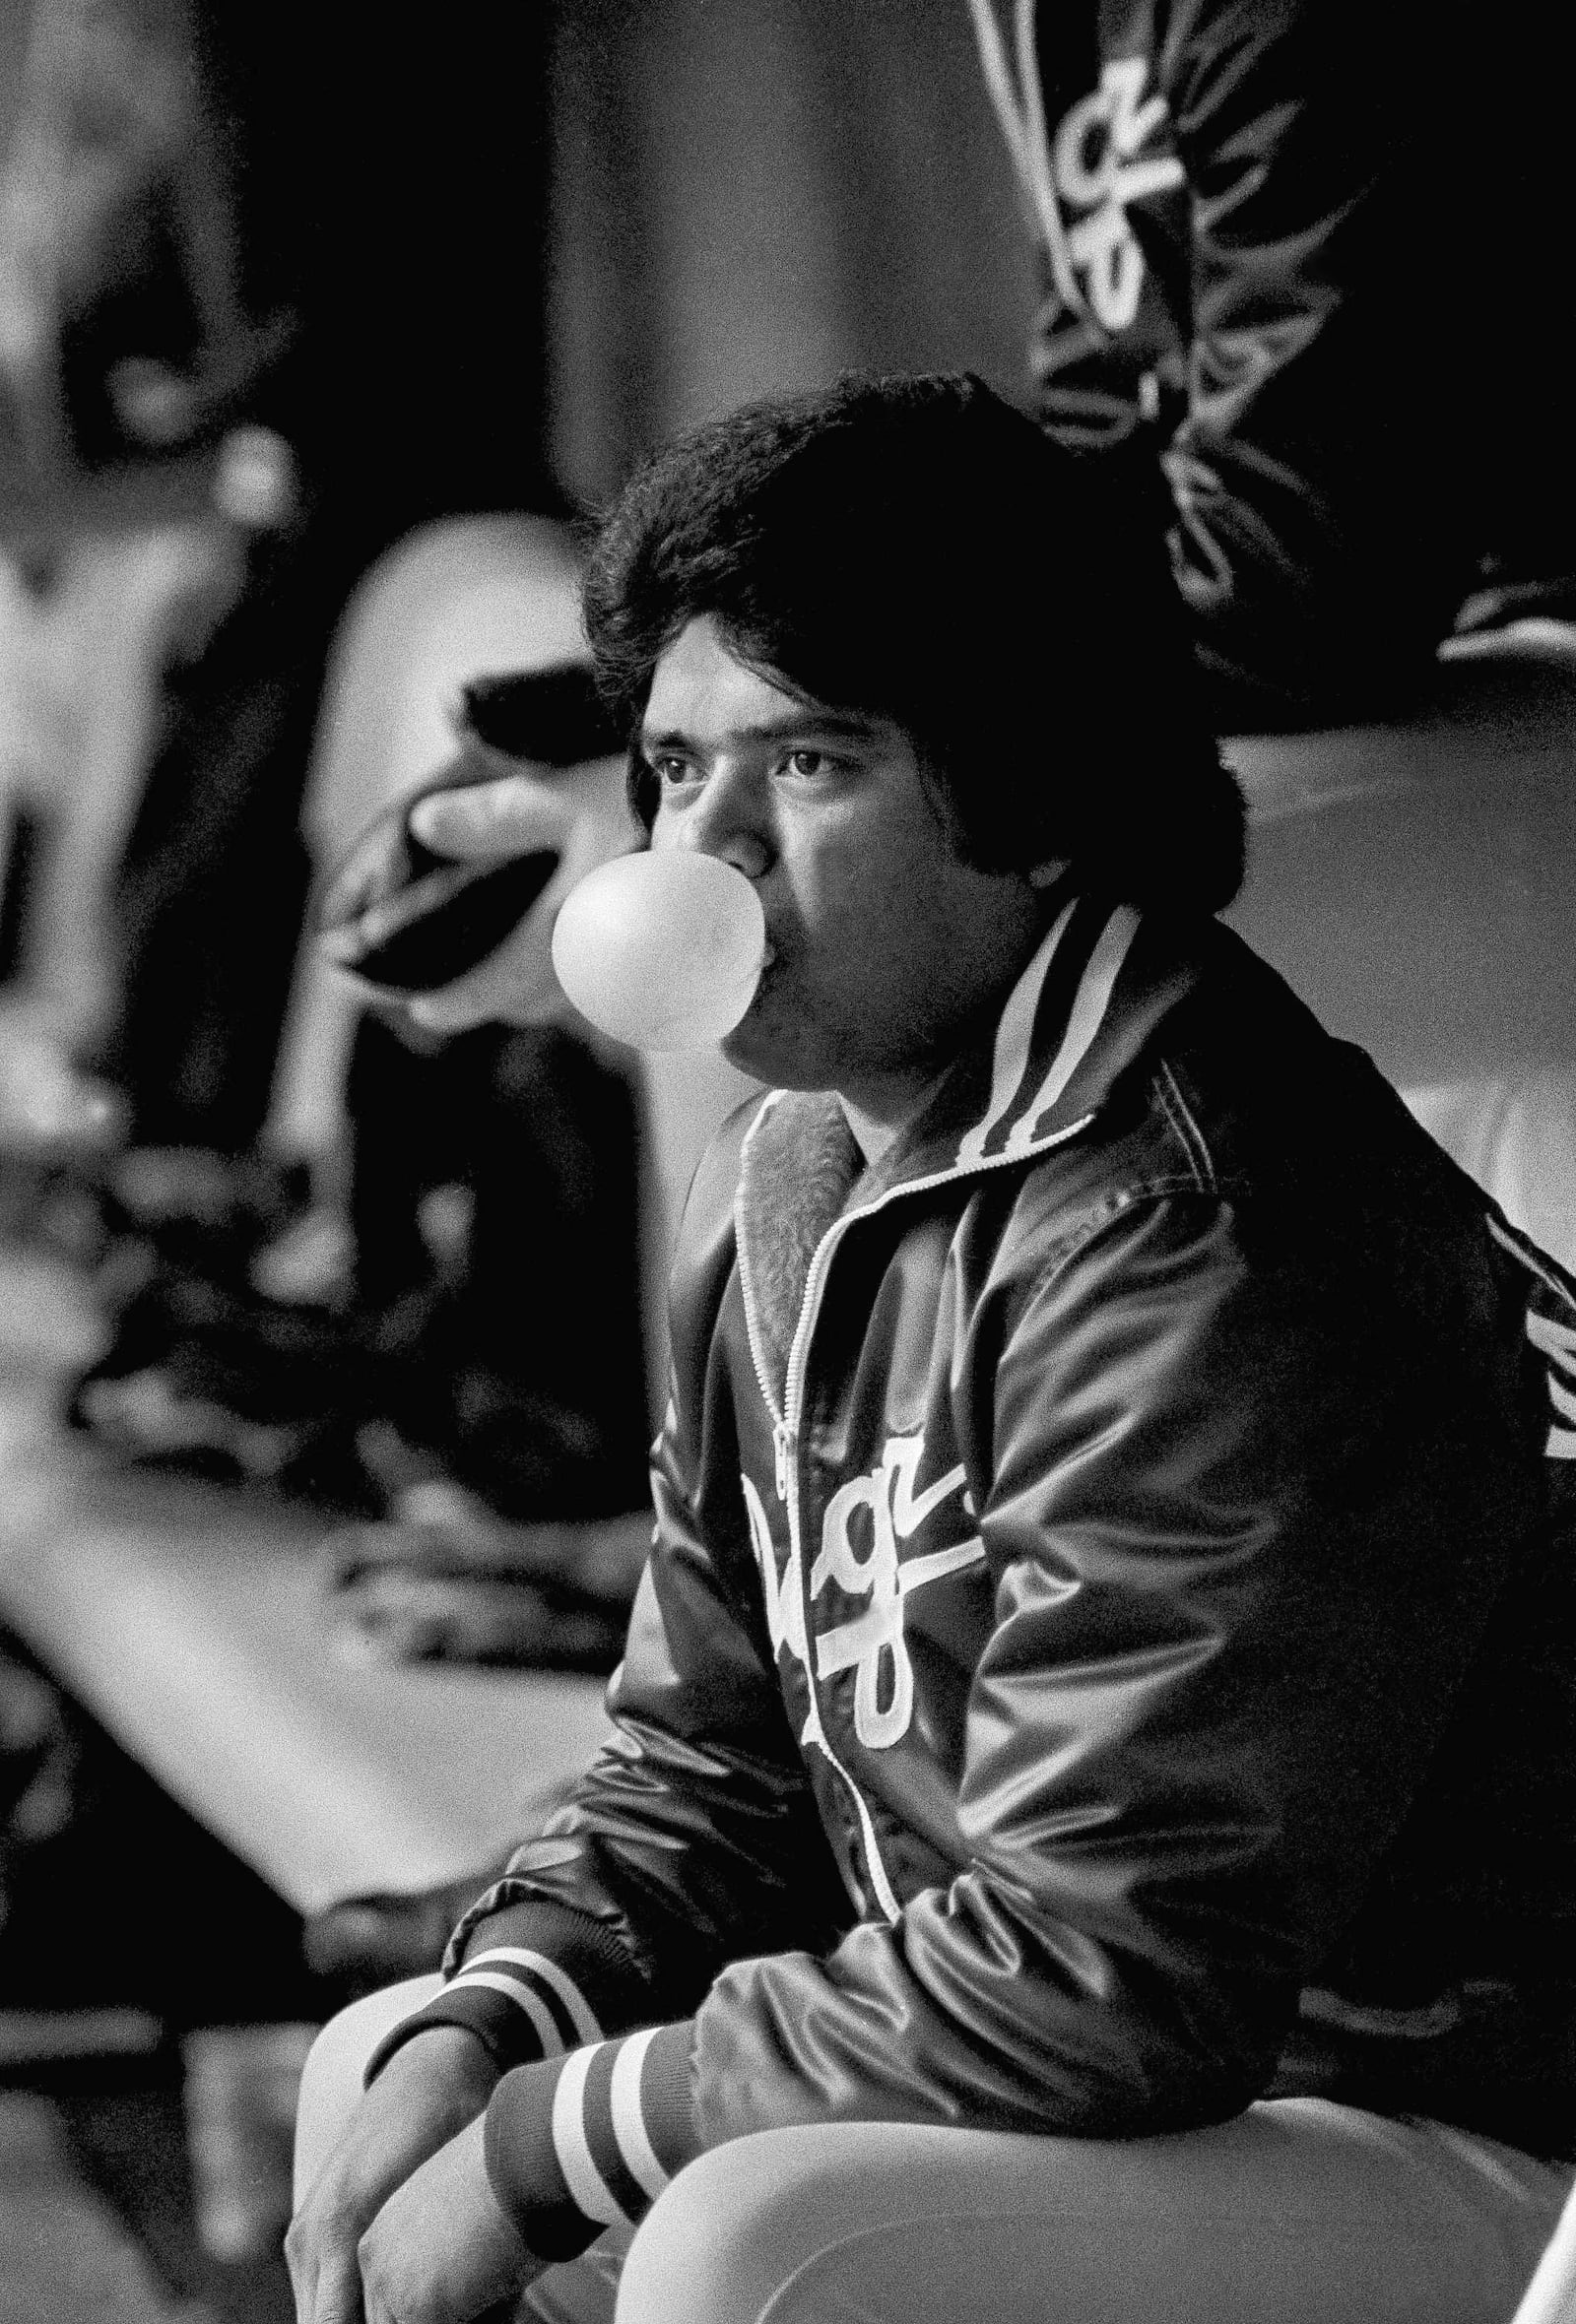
point(1229, 1622)
point(1301, 413)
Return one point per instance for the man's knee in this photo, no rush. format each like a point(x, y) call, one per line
point(733, 2226)
point(332, 2081)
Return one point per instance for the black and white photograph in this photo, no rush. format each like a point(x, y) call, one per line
point(787, 1163)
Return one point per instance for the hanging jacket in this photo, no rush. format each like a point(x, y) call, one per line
point(1299, 264)
point(1107, 1651)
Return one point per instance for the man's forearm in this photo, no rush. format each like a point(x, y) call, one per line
point(528, 1981)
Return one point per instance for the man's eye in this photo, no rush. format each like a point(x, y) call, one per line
point(809, 763)
point(673, 773)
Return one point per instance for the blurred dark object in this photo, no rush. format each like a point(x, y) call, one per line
point(439, 919)
point(513, 1364)
point(473, 1323)
point(391, 194)
point(448, 1583)
point(363, 1943)
point(552, 717)
point(212, 887)
point(205, 1371)
point(510, 1442)
point(20, 855)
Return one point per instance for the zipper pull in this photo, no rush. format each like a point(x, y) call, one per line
point(781, 1441)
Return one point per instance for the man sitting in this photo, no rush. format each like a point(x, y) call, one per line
point(1089, 1829)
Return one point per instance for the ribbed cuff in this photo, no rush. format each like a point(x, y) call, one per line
point(585, 2142)
point(535, 1981)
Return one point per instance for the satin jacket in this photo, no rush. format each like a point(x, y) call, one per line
point(1108, 1647)
point(1298, 261)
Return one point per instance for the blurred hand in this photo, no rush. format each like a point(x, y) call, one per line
point(426, 2094)
point(476, 816)
point(589, 818)
point(440, 2251)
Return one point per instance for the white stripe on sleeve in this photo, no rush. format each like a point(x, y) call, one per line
point(629, 2123)
point(537, 2011)
point(582, 2015)
point(587, 2185)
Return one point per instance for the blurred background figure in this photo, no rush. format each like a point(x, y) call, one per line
point(122, 334)
point(1256, 257)
point(123, 321)
point(221, 396)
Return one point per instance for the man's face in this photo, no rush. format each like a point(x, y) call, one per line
point(883, 945)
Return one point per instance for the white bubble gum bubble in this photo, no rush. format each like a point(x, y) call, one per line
point(663, 951)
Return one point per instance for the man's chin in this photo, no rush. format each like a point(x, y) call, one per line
point(774, 1064)
point(743, 1049)
point(778, 1040)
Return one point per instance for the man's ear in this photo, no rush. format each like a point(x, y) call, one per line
point(1048, 875)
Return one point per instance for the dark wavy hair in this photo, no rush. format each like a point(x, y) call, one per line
point(915, 548)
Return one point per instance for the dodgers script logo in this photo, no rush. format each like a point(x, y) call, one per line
point(866, 1522)
point(1098, 170)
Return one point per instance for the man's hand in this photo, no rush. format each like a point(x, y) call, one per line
point(483, 812)
point(428, 2092)
point(440, 2251)
point(585, 815)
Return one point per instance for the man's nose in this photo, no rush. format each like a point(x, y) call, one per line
point(729, 820)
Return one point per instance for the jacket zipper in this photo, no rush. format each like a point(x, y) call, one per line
point(783, 1441)
point(785, 1436)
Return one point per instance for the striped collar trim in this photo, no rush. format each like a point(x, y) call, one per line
point(1086, 1005)
point(1083, 1010)
point(1051, 1020)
